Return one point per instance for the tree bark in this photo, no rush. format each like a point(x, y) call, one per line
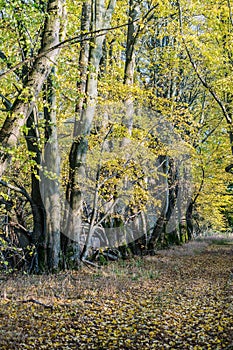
point(51, 182)
point(130, 66)
point(23, 105)
point(100, 18)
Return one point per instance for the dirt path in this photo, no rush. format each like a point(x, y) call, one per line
point(178, 299)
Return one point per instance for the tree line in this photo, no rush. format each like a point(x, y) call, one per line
point(116, 128)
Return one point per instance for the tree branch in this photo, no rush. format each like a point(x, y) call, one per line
point(17, 189)
point(6, 103)
point(230, 12)
point(201, 78)
point(211, 132)
point(70, 41)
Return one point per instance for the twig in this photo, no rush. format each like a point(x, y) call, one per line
point(87, 262)
point(91, 302)
point(55, 294)
point(36, 302)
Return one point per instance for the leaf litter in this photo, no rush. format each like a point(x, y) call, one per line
point(178, 299)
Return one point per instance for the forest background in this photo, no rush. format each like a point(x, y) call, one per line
point(116, 128)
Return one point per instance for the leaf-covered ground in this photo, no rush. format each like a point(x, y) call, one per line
point(178, 299)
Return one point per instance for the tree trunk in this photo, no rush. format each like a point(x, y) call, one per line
point(23, 105)
point(51, 182)
point(100, 18)
point(129, 66)
point(37, 204)
point(158, 228)
point(72, 215)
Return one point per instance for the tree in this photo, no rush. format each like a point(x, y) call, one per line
point(213, 37)
point(25, 100)
point(90, 56)
point(22, 111)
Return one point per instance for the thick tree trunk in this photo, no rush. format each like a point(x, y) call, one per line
point(45, 188)
point(158, 229)
point(23, 105)
point(38, 209)
point(50, 182)
point(167, 228)
point(23, 110)
point(100, 18)
point(73, 208)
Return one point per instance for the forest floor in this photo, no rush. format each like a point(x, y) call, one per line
point(180, 298)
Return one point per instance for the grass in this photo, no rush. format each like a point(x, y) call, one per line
point(217, 240)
